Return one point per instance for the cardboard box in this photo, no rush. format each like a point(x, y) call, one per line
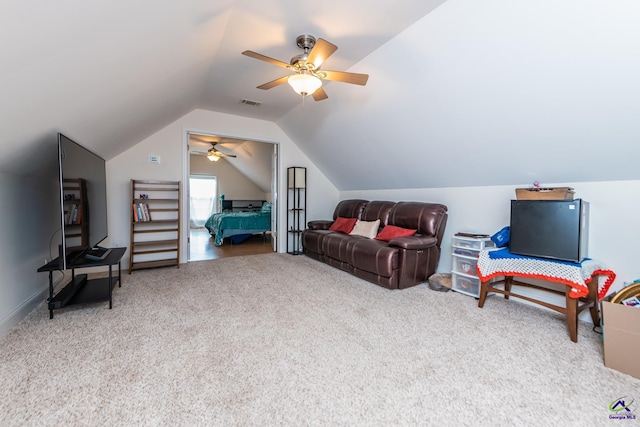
point(621, 328)
point(557, 193)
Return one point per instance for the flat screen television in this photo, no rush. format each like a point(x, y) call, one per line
point(83, 202)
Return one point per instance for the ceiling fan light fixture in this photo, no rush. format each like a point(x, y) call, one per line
point(213, 156)
point(304, 84)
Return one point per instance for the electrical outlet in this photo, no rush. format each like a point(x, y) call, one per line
point(46, 261)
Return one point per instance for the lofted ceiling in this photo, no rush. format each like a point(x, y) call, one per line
point(252, 158)
point(460, 93)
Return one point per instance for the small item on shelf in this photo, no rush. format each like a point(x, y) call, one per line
point(550, 193)
point(473, 235)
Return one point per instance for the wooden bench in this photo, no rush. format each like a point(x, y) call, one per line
point(579, 280)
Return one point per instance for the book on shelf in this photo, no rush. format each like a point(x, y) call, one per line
point(147, 216)
point(74, 215)
point(141, 212)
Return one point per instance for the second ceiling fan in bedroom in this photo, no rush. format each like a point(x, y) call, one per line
point(213, 153)
point(307, 77)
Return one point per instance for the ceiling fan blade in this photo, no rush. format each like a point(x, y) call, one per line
point(319, 94)
point(342, 76)
point(228, 155)
point(261, 57)
point(274, 83)
point(320, 52)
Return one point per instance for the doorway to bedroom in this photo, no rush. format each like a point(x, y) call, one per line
point(230, 177)
point(203, 190)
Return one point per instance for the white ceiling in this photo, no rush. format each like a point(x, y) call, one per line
point(460, 92)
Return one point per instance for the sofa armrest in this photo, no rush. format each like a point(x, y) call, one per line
point(321, 224)
point(414, 242)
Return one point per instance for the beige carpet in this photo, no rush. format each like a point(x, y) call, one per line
point(282, 340)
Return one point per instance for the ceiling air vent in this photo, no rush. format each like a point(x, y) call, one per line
point(250, 102)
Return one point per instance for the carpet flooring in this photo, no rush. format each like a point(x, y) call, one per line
point(285, 340)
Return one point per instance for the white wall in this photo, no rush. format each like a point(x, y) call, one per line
point(231, 182)
point(30, 234)
point(169, 143)
point(613, 227)
point(504, 91)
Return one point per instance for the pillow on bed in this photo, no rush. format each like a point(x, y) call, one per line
point(266, 207)
point(367, 229)
point(343, 225)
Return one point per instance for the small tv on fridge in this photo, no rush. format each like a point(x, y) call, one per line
point(556, 229)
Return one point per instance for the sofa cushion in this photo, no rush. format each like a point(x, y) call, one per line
point(374, 256)
point(343, 225)
point(312, 240)
point(367, 229)
point(427, 218)
point(351, 208)
point(377, 210)
point(334, 245)
point(391, 232)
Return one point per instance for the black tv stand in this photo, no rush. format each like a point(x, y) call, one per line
point(81, 289)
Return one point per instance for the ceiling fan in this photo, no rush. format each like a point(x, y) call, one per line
point(308, 76)
point(213, 153)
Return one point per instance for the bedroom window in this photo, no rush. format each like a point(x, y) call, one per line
point(203, 194)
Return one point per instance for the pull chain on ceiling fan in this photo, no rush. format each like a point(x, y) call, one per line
point(308, 77)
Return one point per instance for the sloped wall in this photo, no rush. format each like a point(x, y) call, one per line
point(169, 144)
point(231, 182)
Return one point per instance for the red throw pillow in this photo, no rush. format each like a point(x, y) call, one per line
point(343, 225)
point(391, 232)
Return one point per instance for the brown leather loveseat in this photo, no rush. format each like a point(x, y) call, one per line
point(399, 263)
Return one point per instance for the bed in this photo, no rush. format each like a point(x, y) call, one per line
point(229, 224)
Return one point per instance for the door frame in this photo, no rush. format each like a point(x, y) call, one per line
point(186, 169)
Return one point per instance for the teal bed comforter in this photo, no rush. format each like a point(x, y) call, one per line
point(227, 224)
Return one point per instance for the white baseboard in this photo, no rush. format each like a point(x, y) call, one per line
point(20, 312)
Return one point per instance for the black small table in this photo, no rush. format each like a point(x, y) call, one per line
point(81, 290)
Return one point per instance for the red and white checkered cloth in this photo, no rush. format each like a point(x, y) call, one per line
point(577, 276)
